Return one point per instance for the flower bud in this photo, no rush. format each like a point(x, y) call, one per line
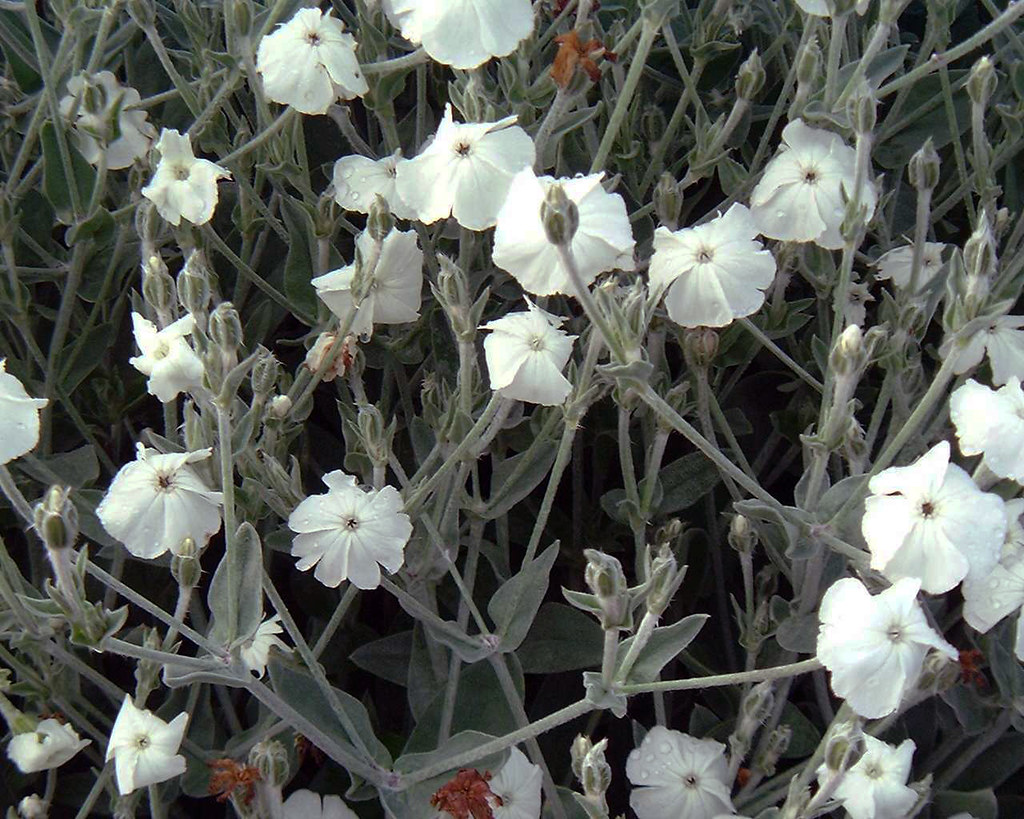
point(56, 519)
point(775, 747)
point(924, 167)
point(270, 758)
point(577, 751)
point(808, 63)
point(981, 83)
point(938, 673)
point(379, 222)
point(843, 746)
point(265, 373)
point(595, 772)
point(664, 580)
point(750, 78)
point(374, 434)
point(668, 200)
point(241, 13)
point(33, 807)
point(849, 356)
point(560, 216)
point(158, 287)
point(194, 284)
point(700, 346)
point(653, 123)
point(226, 328)
point(185, 568)
point(280, 406)
point(980, 250)
point(742, 537)
point(143, 13)
point(860, 108)
point(607, 581)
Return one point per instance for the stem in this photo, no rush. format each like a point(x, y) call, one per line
point(835, 51)
point(739, 678)
point(263, 136)
point(227, 480)
point(336, 617)
point(587, 302)
point(554, 479)
point(780, 354)
point(648, 32)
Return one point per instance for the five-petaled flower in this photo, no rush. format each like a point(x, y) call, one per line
point(157, 500)
point(49, 745)
point(875, 645)
point(170, 362)
point(144, 747)
point(310, 62)
point(93, 101)
point(876, 787)
point(183, 186)
point(348, 534)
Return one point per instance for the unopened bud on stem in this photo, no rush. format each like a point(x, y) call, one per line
point(560, 216)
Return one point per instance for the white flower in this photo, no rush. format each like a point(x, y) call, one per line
point(255, 651)
point(676, 776)
point(876, 787)
point(92, 100)
point(183, 186)
point(359, 179)
point(394, 294)
point(857, 297)
point(303, 804)
point(19, 417)
point(463, 33)
point(156, 501)
point(897, 263)
point(518, 786)
point(310, 62)
point(323, 348)
point(1003, 340)
point(928, 520)
point(526, 353)
point(820, 8)
point(991, 423)
point(465, 171)
point(875, 646)
point(144, 747)
point(172, 365)
point(347, 532)
point(800, 195)
point(50, 745)
point(603, 241)
point(714, 272)
point(989, 599)
point(33, 807)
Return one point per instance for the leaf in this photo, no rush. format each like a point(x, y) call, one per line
point(92, 347)
point(75, 468)
point(979, 804)
point(56, 184)
point(686, 481)
point(882, 66)
point(387, 658)
point(298, 266)
point(297, 687)
point(561, 639)
point(925, 117)
point(517, 477)
point(799, 633)
point(1001, 761)
point(514, 605)
point(249, 594)
point(665, 644)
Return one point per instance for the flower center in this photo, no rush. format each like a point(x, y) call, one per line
point(927, 509)
point(872, 771)
point(351, 524)
point(705, 255)
point(462, 148)
point(162, 351)
point(182, 172)
point(895, 633)
point(164, 483)
point(536, 343)
point(313, 38)
point(811, 176)
point(142, 742)
point(690, 781)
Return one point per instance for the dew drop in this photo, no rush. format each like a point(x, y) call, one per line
point(664, 748)
point(780, 214)
point(644, 774)
point(346, 174)
point(649, 758)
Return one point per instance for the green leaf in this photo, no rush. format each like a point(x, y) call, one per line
point(686, 481)
point(92, 349)
point(1001, 761)
point(387, 658)
point(798, 633)
point(979, 804)
point(924, 116)
point(298, 266)
point(561, 639)
point(249, 594)
point(75, 468)
point(532, 467)
point(665, 643)
point(297, 687)
point(514, 605)
point(56, 183)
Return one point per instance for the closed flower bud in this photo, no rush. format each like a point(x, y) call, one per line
point(185, 568)
point(607, 581)
point(194, 284)
point(578, 750)
point(665, 578)
point(56, 519)
point(668, 200)
point(241, 13)
point(596, 773)
point(158, 287)
point(560, 216)
point(270, 758)
point(265, 373)
point(374, 433)
point(843, 746)
point(861, 109)
point(750, 78)
point(808, 66)
point(924, 167)
point(280, 406)
point(700, 346)
point(980, 250)
point(380, 222)
point(776, 746)
point(849, 355)
point(742, 536)
point(982, 82)
point(226, 328)
point(653, 123)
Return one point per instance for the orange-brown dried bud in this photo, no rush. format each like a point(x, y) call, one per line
point(467, 796)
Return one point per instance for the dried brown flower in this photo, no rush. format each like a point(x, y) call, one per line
point(467, 796)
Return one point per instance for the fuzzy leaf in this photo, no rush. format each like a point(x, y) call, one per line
point(515, 604)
